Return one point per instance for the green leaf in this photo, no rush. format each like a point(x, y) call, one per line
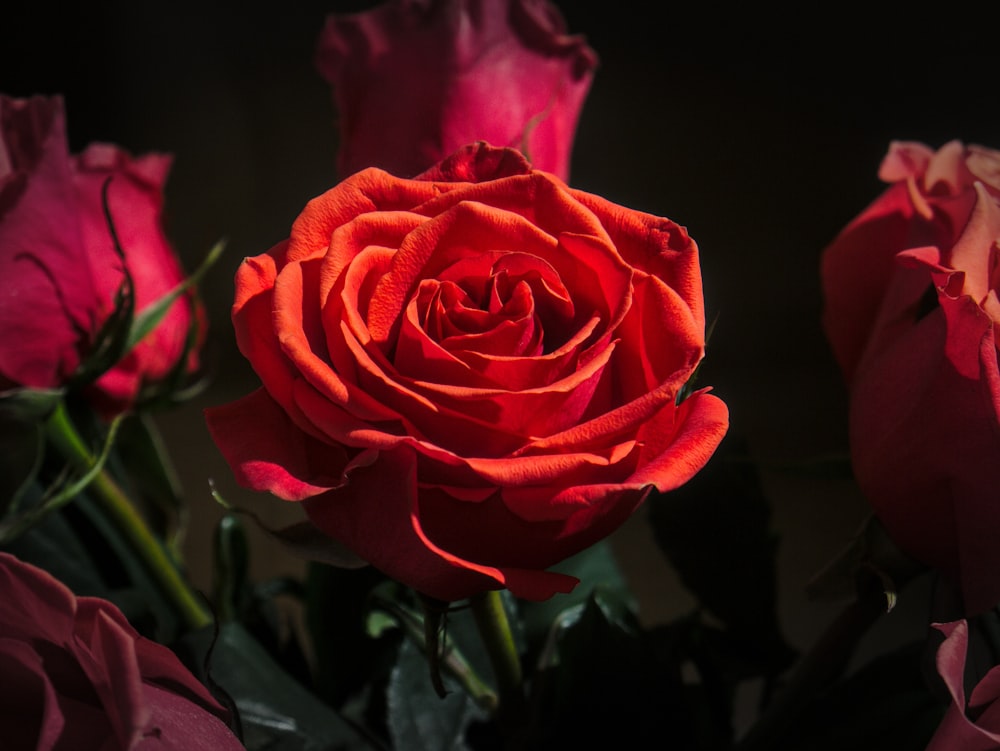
point(715, 530)
point(276, 712)
point(116, 551)
point(607, 689)
point(594, 567)
point(55, 546)
point(418, 718)
point(446, 635)
point(69, 546)
point(337, 616)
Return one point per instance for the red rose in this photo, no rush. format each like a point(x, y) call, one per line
point(472, 375)
point(928, 203)
point(958, 730)
point(77, 675)
point(414, 80)
point(58, 262)
point(925, 389)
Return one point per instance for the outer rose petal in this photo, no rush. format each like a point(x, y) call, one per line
point(956, 730)
point(90, 680)
point(928, 203)
point(857, 267)
point(175, 719)
point(40, 349)
point(30, 709)
point(377, 514)
point(270, 453)
point(414, 80)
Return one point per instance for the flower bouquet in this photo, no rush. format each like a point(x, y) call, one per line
point(472, 411)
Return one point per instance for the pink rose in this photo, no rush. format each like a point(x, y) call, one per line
point(57, 259)
point(77, 675)
point(957, 729)
point(414, 80)
point(925, 385)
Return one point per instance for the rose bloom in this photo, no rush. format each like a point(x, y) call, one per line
point(470, 376)
point(58, 262)
point(928, 202)
point(924, 381)
point(414, 80)
point(971, 724)
point(77, 676)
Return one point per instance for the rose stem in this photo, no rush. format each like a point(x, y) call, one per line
point(494, 629)
point(64, 437)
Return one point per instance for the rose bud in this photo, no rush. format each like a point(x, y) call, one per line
point(414, 80)
point(58, 258)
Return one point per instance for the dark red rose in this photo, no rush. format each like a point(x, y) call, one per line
point(924, 382)
point(57, 258)
point(414, 80)
point(470, 376)
point(76, 675)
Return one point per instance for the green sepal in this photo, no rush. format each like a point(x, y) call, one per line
point(231, 564)
point(29, 404)
point(111, 341)
point(22, 517)
point(150, 316)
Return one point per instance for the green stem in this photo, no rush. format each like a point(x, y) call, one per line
point(62, 434)
point(494, 629)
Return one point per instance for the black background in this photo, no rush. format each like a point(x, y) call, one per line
point(761, 131)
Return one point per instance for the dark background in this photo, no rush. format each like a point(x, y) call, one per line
point(761, 132)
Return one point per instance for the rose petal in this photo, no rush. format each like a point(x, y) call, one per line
point(269, 452)
point(29, 708)
point(956, 729)
point(376, 515)
point(504, 72)
point(40, 258)
point(105, 652)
